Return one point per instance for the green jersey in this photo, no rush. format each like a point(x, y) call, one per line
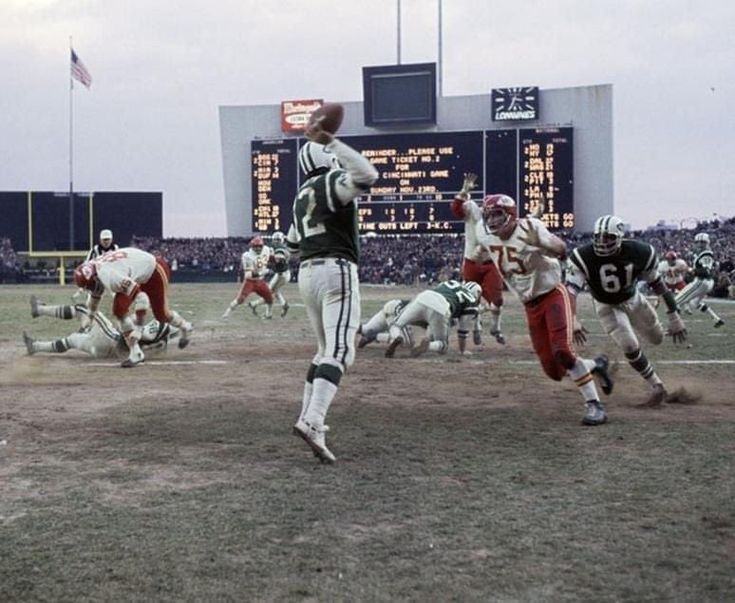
point(327, 228)
point(460, 300)
point(280, 257)
point(612, 278)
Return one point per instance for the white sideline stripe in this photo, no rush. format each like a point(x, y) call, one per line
point(164, 362)
point(529, 362)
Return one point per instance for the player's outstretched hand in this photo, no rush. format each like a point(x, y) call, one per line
point(469, 183)
point(530, 234)
point(677, 329)
point(316, 133)
point(579, 333)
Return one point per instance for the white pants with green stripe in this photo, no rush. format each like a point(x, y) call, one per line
point(330, 289)
point(693, 294)
point(622, 321)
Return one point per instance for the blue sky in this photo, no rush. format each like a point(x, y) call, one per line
point(161, 69)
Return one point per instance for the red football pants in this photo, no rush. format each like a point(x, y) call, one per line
point(550, 322)
point(255, 285)
point(676, 287)
point(488, 277)
point(157, 289)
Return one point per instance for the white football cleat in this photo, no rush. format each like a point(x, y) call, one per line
point(135, 358)
point(316, 440)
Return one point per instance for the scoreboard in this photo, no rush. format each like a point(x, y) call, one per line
point(420, 173)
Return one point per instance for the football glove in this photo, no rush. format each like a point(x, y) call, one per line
point(677, 330)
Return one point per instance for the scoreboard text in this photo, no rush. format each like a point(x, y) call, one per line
point(420, 173)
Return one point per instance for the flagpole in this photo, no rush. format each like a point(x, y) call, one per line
point(71, 152)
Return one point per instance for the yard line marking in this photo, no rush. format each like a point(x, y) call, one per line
point(164, 362)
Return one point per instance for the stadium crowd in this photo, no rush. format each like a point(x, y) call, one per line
point(404, 260)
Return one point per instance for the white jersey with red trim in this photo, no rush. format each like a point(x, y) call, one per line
point(256, 263)
point(472, 249)
point(120, 270)
point(673, 275)
point(528, 270)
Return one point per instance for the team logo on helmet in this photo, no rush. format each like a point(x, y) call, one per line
point(607, 235)
point(84, 275)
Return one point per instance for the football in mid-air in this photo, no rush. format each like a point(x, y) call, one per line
point(329, 115)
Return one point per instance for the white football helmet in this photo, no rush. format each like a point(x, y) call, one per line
point(474, 289)
point(278, 237)
point(314, 156)
point(702, 240)
point(607, 235)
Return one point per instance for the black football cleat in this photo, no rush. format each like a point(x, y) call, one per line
point(601, 371)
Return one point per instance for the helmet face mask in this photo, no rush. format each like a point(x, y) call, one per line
point(256, 245)
point(500, 215)
point(607, 237)
point(278, 237)
point(701, 241)
point(314, 159)
point(671, 257)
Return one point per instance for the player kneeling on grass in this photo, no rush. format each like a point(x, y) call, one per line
point(528, 255)
point(98, 337)
point(610, 267)
point(434, 309)
point(126, 272)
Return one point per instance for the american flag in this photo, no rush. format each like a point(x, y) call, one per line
point(79, 71)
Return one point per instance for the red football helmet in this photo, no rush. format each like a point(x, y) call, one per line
point(85, 276)
point(256, 244)
point(500, 215)
point(671, 257)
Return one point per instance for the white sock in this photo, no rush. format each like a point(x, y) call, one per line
point(321, 398)
point(582, 377)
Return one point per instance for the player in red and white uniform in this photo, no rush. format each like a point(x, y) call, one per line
point(478, 265)
point(254, 267)
point(528, 256)
point(673, 270)
point(125, 272)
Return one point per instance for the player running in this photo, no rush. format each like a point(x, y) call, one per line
point(434, 310)
point(324, 231)
point(704, 267)
point(254, 265)
point(278, 263)
point(528, 255)
point(125, 272)
point(478, 265)
point(673, 270)
point(610, 267)
point(98, 337)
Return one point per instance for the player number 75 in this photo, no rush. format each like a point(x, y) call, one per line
point(506, 258)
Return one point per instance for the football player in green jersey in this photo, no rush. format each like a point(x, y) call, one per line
point(435, 309)
point(610, 267)
point(324, 232)
point(704, 267)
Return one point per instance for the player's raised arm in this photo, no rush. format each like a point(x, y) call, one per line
point(360, 173)
point(462, 207)
point(536, 234)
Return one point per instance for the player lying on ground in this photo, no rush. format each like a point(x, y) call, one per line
point(126, 272)
point(704, 267)
point(610, 267)
point(254, 265)
point(478, 265)
point(528, 255)
point(98, 337)
point(376, 329)
point(278, 264)
point(434, 310)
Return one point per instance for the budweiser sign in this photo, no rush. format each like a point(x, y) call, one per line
point(295, 113)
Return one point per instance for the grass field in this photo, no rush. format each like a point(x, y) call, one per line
point(458, 478)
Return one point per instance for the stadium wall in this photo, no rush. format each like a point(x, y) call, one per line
point(589, 109)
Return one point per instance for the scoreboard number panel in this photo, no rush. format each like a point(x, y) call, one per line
point(420, 173)
point(545, 175)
